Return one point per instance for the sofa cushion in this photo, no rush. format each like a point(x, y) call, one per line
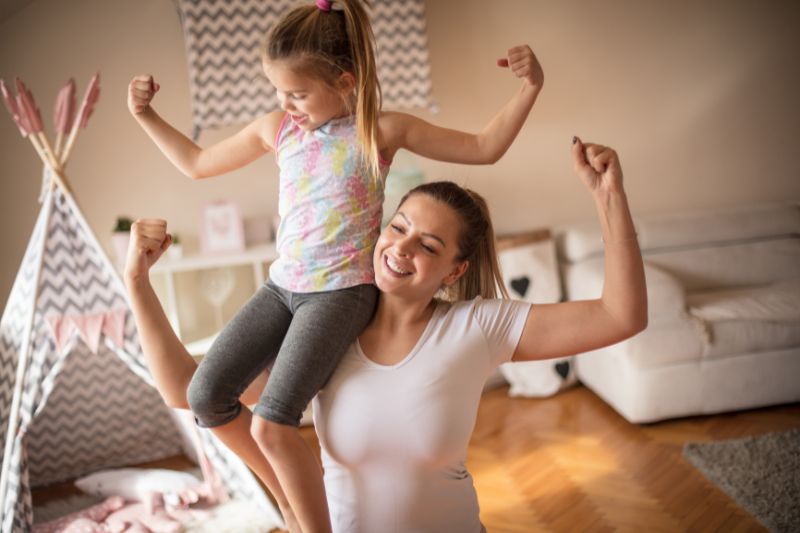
point(730, 338)
point(739, 264)
point(720, 324)
point(774, 302)
point(677, 231)
point(749, 319)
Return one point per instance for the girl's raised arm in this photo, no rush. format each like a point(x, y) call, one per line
point(556, 330)
point(400, 130)
point(193, 161)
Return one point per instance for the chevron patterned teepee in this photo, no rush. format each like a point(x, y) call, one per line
point(75, 394)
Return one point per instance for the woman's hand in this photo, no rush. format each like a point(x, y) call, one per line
point(149, 239)
point(523, 63)
point(141, 91)
point(598, 166)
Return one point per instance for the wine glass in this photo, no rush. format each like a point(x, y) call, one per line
point(216, 285)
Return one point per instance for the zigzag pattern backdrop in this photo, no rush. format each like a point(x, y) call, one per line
point(223, 46)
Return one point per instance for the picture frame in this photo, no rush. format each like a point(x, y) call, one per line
point(221, 228)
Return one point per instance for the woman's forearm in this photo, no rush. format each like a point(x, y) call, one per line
point(624, 290)
point(170, 364)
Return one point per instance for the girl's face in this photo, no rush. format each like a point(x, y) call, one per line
point(418, 251)
point(309, 101)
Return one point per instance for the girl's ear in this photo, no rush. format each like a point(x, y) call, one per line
point(456, 274)
point(346, 83)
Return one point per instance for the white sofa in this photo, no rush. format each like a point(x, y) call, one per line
point(724, 313)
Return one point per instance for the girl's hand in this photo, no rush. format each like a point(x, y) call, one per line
point(598, 166)
point(149, 239)
point(141, 91)
point(523, 64)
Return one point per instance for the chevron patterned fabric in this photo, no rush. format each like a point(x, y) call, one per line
point(82, 410)
point(223, 47)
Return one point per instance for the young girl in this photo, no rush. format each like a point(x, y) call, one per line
point(333, 145)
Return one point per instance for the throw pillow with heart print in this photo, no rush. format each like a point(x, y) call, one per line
point(530, 272)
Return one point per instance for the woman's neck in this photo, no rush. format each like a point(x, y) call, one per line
point(399, 313)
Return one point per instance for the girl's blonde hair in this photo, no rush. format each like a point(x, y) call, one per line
point(326, 44)
point(476, 241)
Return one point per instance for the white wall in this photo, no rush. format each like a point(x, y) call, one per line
point(698, 97)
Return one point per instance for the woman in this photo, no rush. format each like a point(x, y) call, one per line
point(395, 419)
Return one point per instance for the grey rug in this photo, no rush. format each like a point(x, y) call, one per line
point(762, 474)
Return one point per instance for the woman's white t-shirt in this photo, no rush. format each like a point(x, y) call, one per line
point(394, 438)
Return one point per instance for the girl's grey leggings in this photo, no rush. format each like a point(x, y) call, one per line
point(302, 336)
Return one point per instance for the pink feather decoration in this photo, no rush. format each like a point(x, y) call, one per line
point(90, 100)
point(8, 98)
point(21, 118)
point(11, 104)
point(64, 114)
point(28, 109)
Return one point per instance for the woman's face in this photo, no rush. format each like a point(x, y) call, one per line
point(309, 101)
point(418, 251)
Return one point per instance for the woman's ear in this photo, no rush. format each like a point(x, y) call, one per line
point(456, 273)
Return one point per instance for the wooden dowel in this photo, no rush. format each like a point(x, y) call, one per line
point(59, 145)
point(56, 176)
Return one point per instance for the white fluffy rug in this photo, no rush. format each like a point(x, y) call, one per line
point(231, 517)
point(235, 517)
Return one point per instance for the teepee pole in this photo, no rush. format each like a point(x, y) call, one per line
point(55, 171)
point(22, 361)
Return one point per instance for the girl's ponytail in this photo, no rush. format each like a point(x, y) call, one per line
point(368, 87)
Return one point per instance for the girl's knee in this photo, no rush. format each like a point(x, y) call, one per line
point(271, 435)
point(210, 407)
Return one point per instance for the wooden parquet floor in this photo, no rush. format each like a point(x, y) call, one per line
point(571, 463)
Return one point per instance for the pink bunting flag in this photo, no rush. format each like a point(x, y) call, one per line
point(64, 113)
point(27, 108)
point(11, 105)
point(89, 327)
point(114, 326)
point(89, 100)
point(60, 330)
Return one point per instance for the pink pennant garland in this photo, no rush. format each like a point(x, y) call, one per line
point(60, 330)
point(89, 327)
point(114, 326)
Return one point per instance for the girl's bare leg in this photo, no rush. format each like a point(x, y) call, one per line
point(298, 471)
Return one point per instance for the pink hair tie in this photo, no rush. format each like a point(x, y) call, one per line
point(324, 5)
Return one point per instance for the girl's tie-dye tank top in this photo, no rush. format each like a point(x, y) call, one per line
point(330, 208)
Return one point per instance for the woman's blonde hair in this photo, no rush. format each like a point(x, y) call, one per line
point(327, 43)
point(476, 241)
